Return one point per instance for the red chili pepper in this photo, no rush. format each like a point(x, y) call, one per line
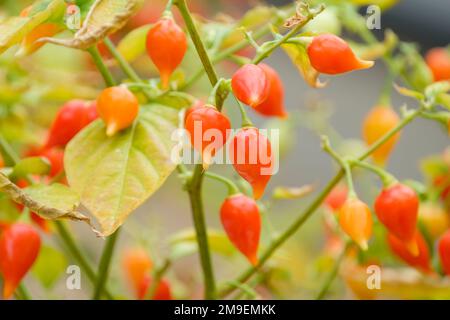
point(444, 252)
point(250, 85)
point(438, 60)
point(273, 105)
point(330, 54)
point(71, 119)
point(118, 108)
point(166, 46)
point(355, 219)
point(208, 129)
point(378, 122)
point(421, 261)
point(196, 105)
point(251, 153)
point(19, 248)
point(336, 198)
point(397, 208)
point(242, 223)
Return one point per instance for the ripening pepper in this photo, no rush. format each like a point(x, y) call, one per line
point(208, 129)
point(397, 209)
point(242, 223)
point(251, 154)
point(166, 46)
point(355, 219)
point(330, 54)
point(19, 248)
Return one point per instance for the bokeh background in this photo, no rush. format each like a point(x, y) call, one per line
point(338, 109)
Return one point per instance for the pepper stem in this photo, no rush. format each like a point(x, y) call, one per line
point(386, 178)
point(232, 188)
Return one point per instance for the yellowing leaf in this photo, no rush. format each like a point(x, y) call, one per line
point(133, 44)
point(14, 29)
point(300, 58)
point(105, 17)
point(115, 175)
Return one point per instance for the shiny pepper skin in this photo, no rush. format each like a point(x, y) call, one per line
point(250, 85)
point(70, 119)
point(421, 261)
point(166, 46)
point(355, 219)
point(251, 153)
point(377, 123)
point(438, 60)
point(397, 209)
point(208, 129)
point(19, 248)
point(330, 54)
point(273, 105)
point(242, 223)
point(444, 252)
point(118, 107)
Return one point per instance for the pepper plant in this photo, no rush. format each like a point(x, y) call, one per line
point(110, 146)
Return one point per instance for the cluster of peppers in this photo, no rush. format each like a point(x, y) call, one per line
point(260, 87)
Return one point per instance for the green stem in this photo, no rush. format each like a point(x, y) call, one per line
point(246, 121)
point(198, 43)
point(156, 279)
point(232, 188)
point(22, 292)
point(275, 44)
point(387, 178)
point(198, 215)
point(334, 272)
point(104, 71)
point(295, 226)
point(104, 265)
point(349, 179)
point(195, 185)
point(77, 254)
point(124, 65)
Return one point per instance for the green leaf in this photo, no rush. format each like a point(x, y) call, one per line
point(115, 175)
point(49, 266)
point(105, 17)
point(218, 242)
point(32, 165)
point(298, 55)
point(132, 46)
point(14, 29)
point(56, 196)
